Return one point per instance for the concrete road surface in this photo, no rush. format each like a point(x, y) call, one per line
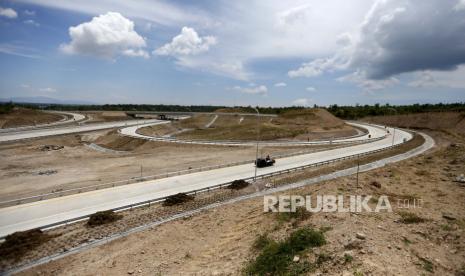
point(37, 214)
point(28, 134)
point(74, 117)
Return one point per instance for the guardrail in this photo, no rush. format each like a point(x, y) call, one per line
point(244, 143)
point(222, 185)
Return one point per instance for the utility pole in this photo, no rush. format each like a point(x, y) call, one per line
point(258, 139)
point(358, 169)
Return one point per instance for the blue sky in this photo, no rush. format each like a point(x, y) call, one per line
point(267, 53)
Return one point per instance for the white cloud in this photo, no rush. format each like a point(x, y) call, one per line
point(8, 12)
point(390, 42)
point(280, 84)
point(29, 12)
point(460, 5)
point(19, 50)
point(48, 89)
point(428, 79)
point(424, 79)
point(31, 22)
point(310, 88)
point(360, 79)
point(302, 102)
point(261, 89)
point(106, 36)
point(188, 42)
point(319, 66)
point(25, 86)
point(161, 12)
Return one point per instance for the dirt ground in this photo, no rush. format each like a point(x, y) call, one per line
point(27, 168)
point(220, 241)
point(105, 116)
point(27, 117)
point(300, 125)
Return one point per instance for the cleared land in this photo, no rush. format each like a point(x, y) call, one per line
point(64, 162)
point(105, 116)
point(299, 125)
point(222, 240)
point(19, 117)
point(415, 241)
point(449, 122)
point(76, 233)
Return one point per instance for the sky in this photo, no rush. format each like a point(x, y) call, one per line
point(265, 53)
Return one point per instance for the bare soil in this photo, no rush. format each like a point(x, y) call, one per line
point(19, 117)
point(220, 241)
point(309, 124)
point(450, 122)
point(105, 116)
point(27, 169)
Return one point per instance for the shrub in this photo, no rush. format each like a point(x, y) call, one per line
point(376, 184)
point(238, 184)
point(409, 218)
point(348, 258)
point(300, 214)
point(276, 257)
point(177, 199)
point(19, 243)
point(262, 241)
point(103, 217)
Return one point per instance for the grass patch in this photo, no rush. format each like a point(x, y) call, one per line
point(410, 218)
point(103, 217)
point(19, 243)
point(300, 214)
point(261, 242)
point(348, 258)
point(276, 257)
point(406, 241)
point(427, 264)
point(238, 184)
point(177, 199)
point(447, 227)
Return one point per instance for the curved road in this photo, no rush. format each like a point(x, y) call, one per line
point(38, 214)
point(74, 117)
point(374, 133)
point(28, 134)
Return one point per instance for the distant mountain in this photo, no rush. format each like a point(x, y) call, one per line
point(44, 100)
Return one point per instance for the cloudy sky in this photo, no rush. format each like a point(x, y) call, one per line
point(263, 53)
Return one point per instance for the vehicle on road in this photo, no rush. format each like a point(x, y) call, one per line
point(264, 162)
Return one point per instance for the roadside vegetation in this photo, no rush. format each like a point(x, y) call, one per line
point(103, 217)
point(282, 257)
point(6, 108)
point(177, 199)
point(19, 243)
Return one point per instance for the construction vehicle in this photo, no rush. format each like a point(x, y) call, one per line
point(264, 162)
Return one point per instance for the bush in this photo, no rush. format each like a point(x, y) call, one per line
point(19, 243)
point(261, 242)
point(103, 217)
point(238, 184)
point(276, 257)
point(6, 108)
point(409, 218)
point(177, 199)
point(300, 214)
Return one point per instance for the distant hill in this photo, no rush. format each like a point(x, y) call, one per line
point(44, 100)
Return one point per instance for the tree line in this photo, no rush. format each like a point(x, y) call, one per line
point(344, 112)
